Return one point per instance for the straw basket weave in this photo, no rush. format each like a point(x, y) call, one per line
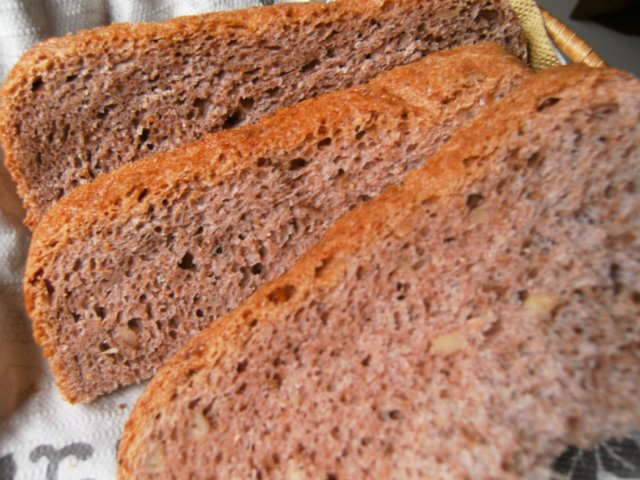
point(569, 43)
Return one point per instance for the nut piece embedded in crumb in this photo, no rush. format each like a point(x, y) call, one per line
point(296, 472)
point(155, 457)
point(128, 336)
point(449, 343)
point(202, 425)
point(540, 304)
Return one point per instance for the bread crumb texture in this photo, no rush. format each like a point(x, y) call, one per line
point(123, 271)
point(468, 346)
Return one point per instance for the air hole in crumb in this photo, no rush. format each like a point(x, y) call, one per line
point(186, 263)
point(143, 193)
point(324, 143)
point(307, 67)
point(256, 269)
point(100, 311)
point(614, 274)
point(610, 191)
point(174, 322)
point(366, 361)
point(548, 102)
point(332, 476)
point(247, 103)
point(360, 134)
point(534, 160)
point(489, 15)
point(395, 415)
point(200, 104)
point(37, 83)
point(635, 297)
point(474, 200)
point(135, 324)
point(263, 162)
point(251, 73)
point(277, 380)
point(199, 313)
point(233, 120)
point(282, 294)
point(104, 346)
point(272, 91)
point(218, 250)
point(323, 265)
point(242, 366)
point(172, 334)
point(144, 135)
point(297, 164)
point(65, 132)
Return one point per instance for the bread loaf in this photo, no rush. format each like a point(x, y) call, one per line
point(81, 105)
point(467, 324)
point(122, 271)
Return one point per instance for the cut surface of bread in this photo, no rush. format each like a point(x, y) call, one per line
point(467, 324)
point(81, 105)
point(123, 271)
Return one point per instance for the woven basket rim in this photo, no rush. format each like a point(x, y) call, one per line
point(570, 43)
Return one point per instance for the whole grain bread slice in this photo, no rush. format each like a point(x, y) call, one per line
point(81, 105)
point(123, 271)
point(467, 324)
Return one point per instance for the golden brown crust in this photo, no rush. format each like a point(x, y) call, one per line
point(441, 176)
point(214, 158)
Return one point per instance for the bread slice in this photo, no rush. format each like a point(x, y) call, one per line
point(466, 324)
point(122, 271)
point(81, 105)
